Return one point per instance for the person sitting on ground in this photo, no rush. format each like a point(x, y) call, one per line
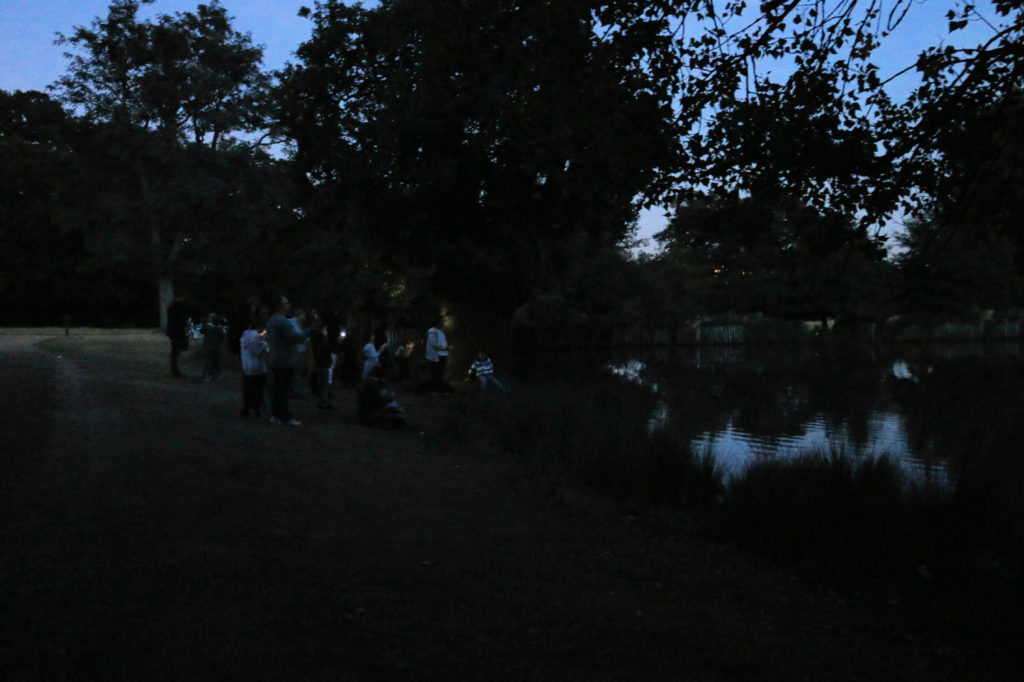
point(377, 405)
point(483, 370)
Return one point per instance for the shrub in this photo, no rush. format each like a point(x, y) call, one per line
point(602, 437)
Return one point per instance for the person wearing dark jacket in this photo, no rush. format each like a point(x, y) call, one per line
point(283, 337)
point(177, 332)
point(322, 359)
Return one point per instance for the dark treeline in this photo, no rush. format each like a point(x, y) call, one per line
point(494, 156)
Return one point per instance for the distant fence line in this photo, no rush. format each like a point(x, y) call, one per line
point(783, 331)
point(399, 336)
point(677, 335)
point(981, 331)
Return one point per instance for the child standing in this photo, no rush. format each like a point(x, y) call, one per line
point(483, 370)
point(254, 349)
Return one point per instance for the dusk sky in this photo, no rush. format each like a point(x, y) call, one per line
point(29, 59)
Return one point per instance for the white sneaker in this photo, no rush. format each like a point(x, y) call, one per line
point(294, 422)
point(275, 420)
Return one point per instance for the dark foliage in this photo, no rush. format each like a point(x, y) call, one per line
point(497, 155)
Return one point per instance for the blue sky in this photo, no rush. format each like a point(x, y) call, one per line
point(29, 59)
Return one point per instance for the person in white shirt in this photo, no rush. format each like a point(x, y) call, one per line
point(436, 353)
point(254, 350)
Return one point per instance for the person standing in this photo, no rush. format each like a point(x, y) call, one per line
point(177, 332)
point(436, 353)
point(322, 359)
point(215, 330)
point(300, 321)
point(350, 352)
point(371, 356)
point(282, 337)
point(253, 351)
point(403, 361)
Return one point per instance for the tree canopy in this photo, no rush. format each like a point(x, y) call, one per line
point(165, 97)
point(496, 153)
point(485, 143)
point(188, 76)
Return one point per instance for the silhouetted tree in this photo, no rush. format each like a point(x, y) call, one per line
point(150, 87)
point(964, 246)
point(49, 179)
point(484, 144)
point(776, 256)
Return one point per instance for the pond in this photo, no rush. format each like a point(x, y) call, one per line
point(935, 409)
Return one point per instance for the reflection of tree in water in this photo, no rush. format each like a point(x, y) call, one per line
point(963, 412)
point(775, 393)
point(706, 391)
point(968, 413)
point(695, 402)
point(846, 386)
point(770, 401)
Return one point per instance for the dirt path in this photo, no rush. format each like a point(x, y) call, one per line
point(150, 533)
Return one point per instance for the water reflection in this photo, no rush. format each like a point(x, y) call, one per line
point(935, 409)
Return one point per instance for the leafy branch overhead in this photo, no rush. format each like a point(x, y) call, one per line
point(470, 136)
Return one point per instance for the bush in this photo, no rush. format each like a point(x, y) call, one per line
point(603, 438)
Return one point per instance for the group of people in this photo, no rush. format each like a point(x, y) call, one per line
point(273, 349)
point(275, 354)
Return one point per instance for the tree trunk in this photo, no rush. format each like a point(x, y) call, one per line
point(164, 265)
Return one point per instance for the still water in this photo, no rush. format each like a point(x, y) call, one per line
point(934, 409)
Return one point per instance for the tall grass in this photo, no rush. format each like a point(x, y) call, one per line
point(862, 515)
point(602, 438)
point(818, 504)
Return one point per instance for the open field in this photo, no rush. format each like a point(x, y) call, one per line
point(150, 533)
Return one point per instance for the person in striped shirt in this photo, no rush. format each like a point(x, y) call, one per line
point(483, 370)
